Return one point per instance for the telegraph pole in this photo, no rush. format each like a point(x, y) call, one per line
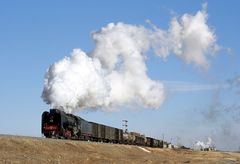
point(125, 126)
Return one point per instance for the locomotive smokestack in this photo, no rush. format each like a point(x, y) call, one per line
point(115, 73)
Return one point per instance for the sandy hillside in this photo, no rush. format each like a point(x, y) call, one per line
point(14, 149)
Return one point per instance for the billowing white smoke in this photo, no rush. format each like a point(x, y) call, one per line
point(115, 73)
point(188, 37)
point(199, 145)
point(76, 82)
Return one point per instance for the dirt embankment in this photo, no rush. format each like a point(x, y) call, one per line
point(15, 149)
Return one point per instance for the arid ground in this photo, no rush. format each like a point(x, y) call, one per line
point(18, 149)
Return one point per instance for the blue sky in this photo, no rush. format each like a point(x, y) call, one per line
point(34, 35)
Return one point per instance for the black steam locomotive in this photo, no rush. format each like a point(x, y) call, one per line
point(58, 124)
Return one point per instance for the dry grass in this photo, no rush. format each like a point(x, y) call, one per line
point(15, 149)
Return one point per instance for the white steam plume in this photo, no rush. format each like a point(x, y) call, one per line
point(199, 145)
point(115, 74)
point(189, 37)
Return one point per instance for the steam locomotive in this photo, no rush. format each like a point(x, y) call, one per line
point(58, 124)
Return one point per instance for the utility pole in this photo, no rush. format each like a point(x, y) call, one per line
point(125, 126)
point(163, 140)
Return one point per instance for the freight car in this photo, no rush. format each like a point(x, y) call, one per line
point(152, 142)
point(58, 124)
point(134, 138)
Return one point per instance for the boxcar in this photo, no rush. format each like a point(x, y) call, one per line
point(94, 130)
point(160, 143)
point(155, 142)
point(149, 141)
point(139, 140)
point(86, 129)
point(109, 134)
point(101, 131)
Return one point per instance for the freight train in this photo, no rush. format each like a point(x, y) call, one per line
point(58, 124)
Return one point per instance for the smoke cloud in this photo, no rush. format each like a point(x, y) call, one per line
point(223, 119)
point(189, 37)
point(200, 145)
point(114, 73)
